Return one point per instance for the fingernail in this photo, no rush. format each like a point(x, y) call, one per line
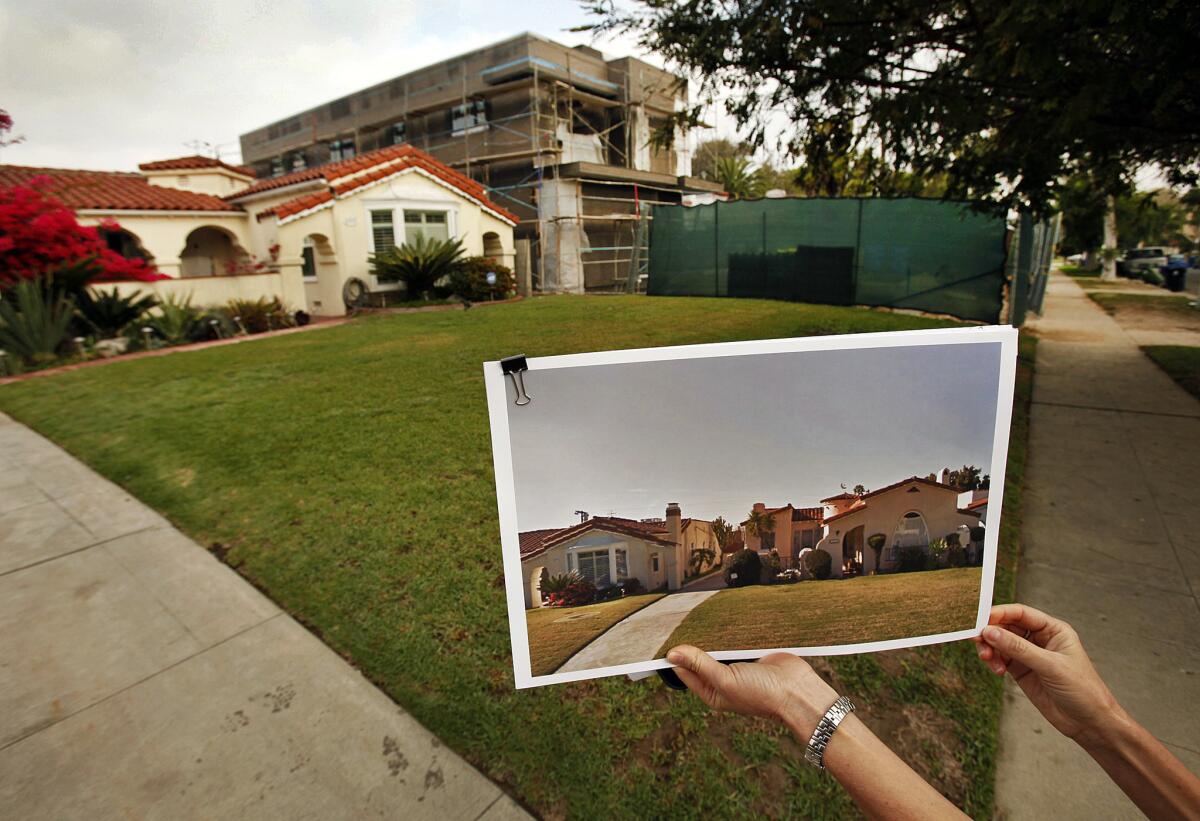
point(675, 657)
point(979, 650)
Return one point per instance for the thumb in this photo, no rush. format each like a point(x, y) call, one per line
point(1015, 647)
point(696, 667)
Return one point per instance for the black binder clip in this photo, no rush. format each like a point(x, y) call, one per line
point(515, 366)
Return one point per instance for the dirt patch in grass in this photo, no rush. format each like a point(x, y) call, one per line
point(1146, 312)
point(557, 633)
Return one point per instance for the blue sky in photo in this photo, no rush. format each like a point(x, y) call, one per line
point(719, 434)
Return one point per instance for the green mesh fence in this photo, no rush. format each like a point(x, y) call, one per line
point(904, 253)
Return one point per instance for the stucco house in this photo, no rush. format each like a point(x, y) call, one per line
point(911, 512)
point(608, 549)
point(219, 233)
point(796, 529)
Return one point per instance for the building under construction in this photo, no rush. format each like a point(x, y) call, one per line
point(558, 134)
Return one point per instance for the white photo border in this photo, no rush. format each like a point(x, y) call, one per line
point(500, 396)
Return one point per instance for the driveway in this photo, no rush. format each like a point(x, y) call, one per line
point(141, 678)
point(638, 637)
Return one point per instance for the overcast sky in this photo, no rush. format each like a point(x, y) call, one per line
point(110, 84)
point(719, 434)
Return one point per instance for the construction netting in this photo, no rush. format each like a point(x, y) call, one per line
point(924, 254)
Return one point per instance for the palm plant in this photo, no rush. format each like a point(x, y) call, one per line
point(876, 541)
point(418, 264)
point(107, 313)
point(738, 179)
point(760, 524)
point(699, 558)
point(177, 321)
point(559, 583)
point(34, 321)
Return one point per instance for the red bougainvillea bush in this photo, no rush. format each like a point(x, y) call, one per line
point(39, 234)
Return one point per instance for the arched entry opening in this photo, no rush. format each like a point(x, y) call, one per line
point(537, 577)
point(210, 251)
point(492, 248)
point(126, 243)
point(852, 550)
point(318, 257)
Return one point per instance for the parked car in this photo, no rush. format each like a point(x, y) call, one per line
point(1136, 259)
point(1174, 271)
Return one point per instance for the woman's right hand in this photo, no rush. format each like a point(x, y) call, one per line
point(1045, 657)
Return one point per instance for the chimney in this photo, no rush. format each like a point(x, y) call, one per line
point(759, 507)
point(676, 561)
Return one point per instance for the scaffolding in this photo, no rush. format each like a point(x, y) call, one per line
point(557, 135)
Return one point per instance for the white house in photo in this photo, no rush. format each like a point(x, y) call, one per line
point(607, 549)
point(219, 233)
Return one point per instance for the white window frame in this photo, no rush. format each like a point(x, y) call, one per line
point(397, 207)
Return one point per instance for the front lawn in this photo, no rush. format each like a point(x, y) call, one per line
point(1181, 363)
point(1162, 311)
point(820, 613)
point(348, 474)
point(557, 633)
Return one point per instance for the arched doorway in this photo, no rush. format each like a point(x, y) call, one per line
point(537, 577)
point(209, 251)
point(492, 248)
point(852, 548)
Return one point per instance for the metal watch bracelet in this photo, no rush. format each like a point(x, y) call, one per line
point(815, 752)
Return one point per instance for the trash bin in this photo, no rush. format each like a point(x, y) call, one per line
point(1173, 278)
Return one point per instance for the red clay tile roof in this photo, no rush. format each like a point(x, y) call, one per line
point(977, 503)
point(111, 190)
point(839, 497)
point(852, 509)
point(808, 514)
point(901, 483)
point(346, 176)
point(534, 542)
point(195, 162)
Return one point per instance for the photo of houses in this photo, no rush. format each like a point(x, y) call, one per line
point(811, 522)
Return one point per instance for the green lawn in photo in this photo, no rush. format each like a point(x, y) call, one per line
point(348, 473)
point(1162, 304)
point(835, 611)
point(557, 633)
point(1181, 363)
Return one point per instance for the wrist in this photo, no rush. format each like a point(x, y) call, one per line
point(805, 707)
point(1110, 731)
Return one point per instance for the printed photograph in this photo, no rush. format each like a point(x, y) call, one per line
point(783, 500)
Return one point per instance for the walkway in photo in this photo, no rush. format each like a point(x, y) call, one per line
point(638, 637)
point(142, 678)
point(1111, 543)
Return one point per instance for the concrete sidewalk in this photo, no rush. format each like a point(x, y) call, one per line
point(141, 678)
point(1111, 543)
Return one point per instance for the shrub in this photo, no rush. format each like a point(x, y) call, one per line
point(744, 568)
point(818, 563)
point(977, 534)
point(256, 316)
point(107, 313)
point(578, 592)
point(937, 552)
point(609, 593)
point(773, 563)
point(876, 541)
point(559, 582)
point(956, 556)
point(469, 279)
point(418, 264)
point(34, 321)
point(178, 321)
point(632, 586)
point(911, 558)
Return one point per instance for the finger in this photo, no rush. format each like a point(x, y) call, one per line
point(696, 667)
point(1013, 647)
point(1022, 615)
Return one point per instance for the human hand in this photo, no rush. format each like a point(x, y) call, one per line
point(1045, 657)
point(779, 686)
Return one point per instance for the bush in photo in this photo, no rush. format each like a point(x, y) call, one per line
point(819, 564)
point(744, 568)
point(469, 280)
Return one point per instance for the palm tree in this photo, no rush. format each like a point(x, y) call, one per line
point(722, 532)
point(759, 524)
point(736, 176)
point(700, 557)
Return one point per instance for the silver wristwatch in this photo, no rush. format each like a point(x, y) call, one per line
point(815, 753)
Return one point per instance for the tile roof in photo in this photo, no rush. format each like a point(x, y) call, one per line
point(346, 176)
point(977, 503)
point(195, 163)
point(534, 542)
point(111, 190)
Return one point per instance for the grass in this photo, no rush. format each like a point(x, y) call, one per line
point(812, 614)
point(1079, 271)
point(1166, 304)
point(1180, 363)
point(557, 633)
point(347, 472)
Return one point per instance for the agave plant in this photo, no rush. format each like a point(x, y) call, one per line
point(560, 582)
point(177, 321)
point(34, 321)
point(107, 313)
point(418, 264)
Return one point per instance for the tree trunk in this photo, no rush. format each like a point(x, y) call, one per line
point(1110, 238)
point(1089, 259)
